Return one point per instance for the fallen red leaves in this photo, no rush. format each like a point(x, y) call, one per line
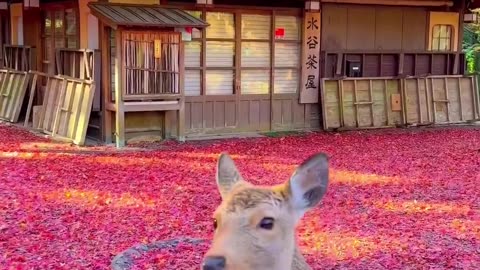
point(398, 199)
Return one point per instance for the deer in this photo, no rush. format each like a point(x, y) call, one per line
point(254, 225)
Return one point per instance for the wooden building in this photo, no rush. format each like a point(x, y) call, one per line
point(191, 68)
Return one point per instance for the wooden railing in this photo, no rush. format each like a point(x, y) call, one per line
point(18, 57)
point(391, 63)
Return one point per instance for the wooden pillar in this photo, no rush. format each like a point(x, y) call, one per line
point(106, 124)
point(119, 106)
point(181, 110)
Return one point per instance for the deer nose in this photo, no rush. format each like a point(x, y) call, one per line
point(214, 263)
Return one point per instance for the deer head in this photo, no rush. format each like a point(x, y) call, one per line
point(255, 225)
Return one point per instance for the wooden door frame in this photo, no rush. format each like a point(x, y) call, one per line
point(52, 7)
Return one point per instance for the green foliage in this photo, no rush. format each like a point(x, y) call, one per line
point(471, 46)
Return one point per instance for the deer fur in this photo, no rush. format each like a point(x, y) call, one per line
point(255, 225)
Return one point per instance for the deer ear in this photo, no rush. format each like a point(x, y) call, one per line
point(309, 182)
point(227, 174)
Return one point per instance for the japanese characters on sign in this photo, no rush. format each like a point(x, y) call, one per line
point(311, 58)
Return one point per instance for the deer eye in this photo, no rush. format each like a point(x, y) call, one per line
point(215, 224)
point(266, 223)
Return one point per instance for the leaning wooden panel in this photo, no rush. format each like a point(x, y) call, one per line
point(331, 104)
point(417, 100)
point(359, 103)
point(440, 100)
point(12, 93)
point(73, 111)
point(66, 108)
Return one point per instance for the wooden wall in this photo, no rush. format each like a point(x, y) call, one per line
point(349, 27)
point(251, 113)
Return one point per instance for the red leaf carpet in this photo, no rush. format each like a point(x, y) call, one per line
point(402, 199)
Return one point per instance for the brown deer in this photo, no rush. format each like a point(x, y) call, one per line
point(255, 225)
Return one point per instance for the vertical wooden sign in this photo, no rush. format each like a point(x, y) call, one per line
point(157, 45)
point(310, 83)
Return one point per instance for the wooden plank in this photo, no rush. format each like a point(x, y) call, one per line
point(434, 107)
point(341, 107)
point(401, 63)
point(9, 95)
point(419, 104)
point(323, 100)
point(338, 67)
point(355, 100)
point(85, 109)
point(33, 87)
point(387, 107)
point(447, 99)
point(427, 101)
point(21, 91)
point(58, 107)
point(460, 102)
point(404, 106)
point(372, 115)
point(475, 95)
point(66, 107)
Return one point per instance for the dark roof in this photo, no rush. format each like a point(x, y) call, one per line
point(115, 14)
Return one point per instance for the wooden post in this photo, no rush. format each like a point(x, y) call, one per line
point(105, 95)
point(181, 110)
point(119, 106)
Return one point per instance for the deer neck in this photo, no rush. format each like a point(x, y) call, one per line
point(298, 262)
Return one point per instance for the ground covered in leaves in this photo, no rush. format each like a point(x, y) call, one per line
point(403, 199)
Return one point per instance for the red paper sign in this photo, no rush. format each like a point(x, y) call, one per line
point(188, 30)
point(280, 33)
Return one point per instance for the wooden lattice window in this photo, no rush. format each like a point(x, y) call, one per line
point(149, 72)
point(442, 37)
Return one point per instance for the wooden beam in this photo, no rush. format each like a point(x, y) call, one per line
point(154, 106)
point(431, 3)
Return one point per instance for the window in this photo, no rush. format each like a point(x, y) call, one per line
point(193, 61)
point(255, 58)
point(224, 58)
point(220, 53)
point(442, 37)
point(60, 30)
point(287, 55)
